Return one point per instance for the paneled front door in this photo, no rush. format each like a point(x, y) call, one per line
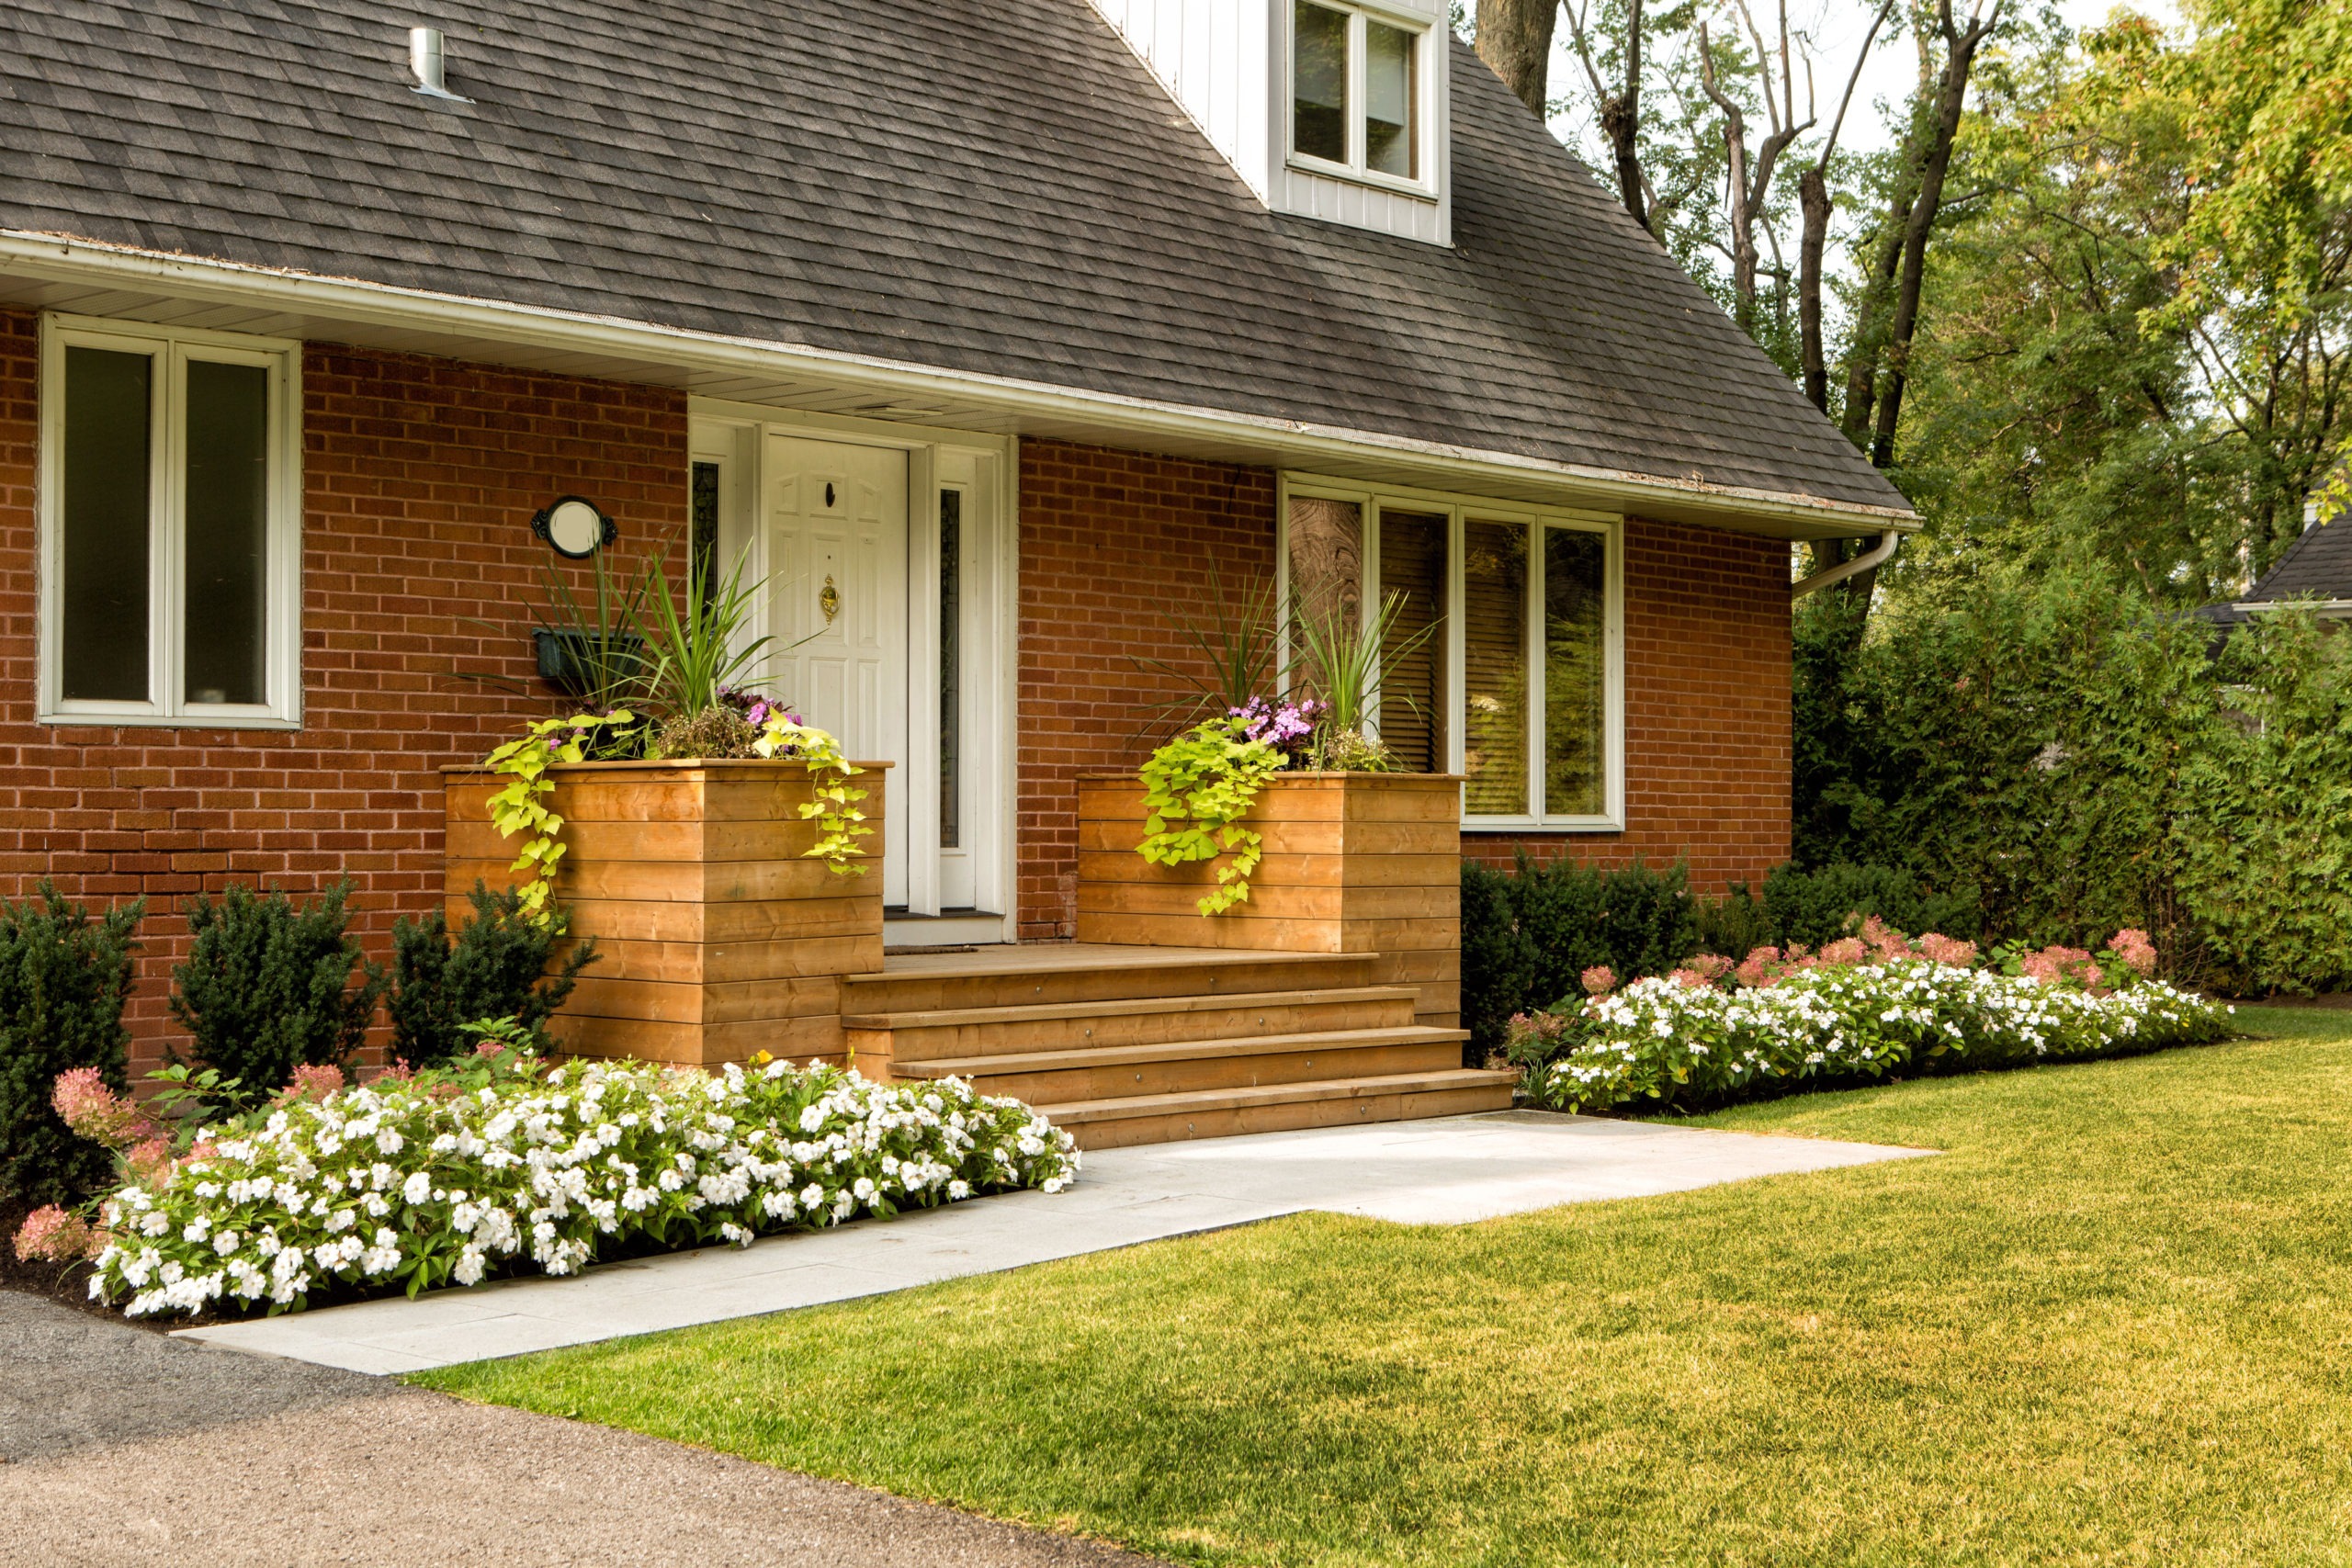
point(836, 517)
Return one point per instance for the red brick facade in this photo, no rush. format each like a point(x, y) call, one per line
point(420, 477)
point(1112, 544)
point(1111, 540)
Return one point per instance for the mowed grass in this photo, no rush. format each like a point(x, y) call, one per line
point(2111, 1323)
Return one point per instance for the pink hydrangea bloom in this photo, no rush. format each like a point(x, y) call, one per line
point(316, 1083)
point(1760, 969)
point(1599, 980)
point(1845, 950)
point(1885, 942)
point(55, 1236)
point(150, 1160)
point(85, 1103)
point(1942, 949)
point(2132, 946)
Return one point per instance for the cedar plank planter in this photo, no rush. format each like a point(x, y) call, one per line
point(1354, 863)
point(718, 938)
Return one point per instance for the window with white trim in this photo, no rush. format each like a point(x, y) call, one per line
point(170, 526)
point(1508, 638)
point(1356, 93)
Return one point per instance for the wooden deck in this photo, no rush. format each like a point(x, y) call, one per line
point(1134, 1044)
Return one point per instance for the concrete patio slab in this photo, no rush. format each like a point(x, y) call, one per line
point(1455, 1170)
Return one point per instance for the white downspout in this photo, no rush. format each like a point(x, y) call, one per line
point(1877, 555)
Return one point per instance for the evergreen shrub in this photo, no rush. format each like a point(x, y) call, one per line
point(63, 979)
point(1528, 933)
point(496, 967)
point(267, 987)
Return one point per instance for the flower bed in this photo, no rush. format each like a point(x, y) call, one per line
point(416, 1183)
point(1712, 1032)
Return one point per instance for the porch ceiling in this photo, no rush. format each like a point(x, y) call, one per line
point(48, 274)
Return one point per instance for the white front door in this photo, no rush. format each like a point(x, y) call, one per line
point(837, 525)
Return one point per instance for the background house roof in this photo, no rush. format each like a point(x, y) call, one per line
point(2318, 565)
point(989, 185)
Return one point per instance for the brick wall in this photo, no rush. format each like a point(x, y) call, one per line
point(420, 477)
point(1111, 540)
point(1111, 543)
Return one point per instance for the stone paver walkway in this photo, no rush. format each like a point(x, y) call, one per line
point(1449, 1171)
point(125, 1448)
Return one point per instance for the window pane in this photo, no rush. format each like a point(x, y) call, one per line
point(102, 511)
point(951, 667)
point(1319, 76)
point(1494, 673)
point(703, 500)
point(1412, 683)
point(228, 529)
point(1326, 558)
point(1388, 99)
point(1575, 672)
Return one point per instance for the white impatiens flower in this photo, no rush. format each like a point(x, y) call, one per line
point(537, 1169)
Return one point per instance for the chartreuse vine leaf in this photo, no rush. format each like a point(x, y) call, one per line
point(1197, 788)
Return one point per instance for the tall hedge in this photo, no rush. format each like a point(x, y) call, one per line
point(2068, 761)
point(63, 979)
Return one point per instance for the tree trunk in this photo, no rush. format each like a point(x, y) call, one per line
point(1812, 198)
point(1951, 101)
point(1620, 120)
point(1515, 40)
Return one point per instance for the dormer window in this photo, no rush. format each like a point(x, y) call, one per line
point(1331, 109)
point(1355, 94)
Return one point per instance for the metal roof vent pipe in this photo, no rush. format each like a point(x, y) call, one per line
point(427, 59)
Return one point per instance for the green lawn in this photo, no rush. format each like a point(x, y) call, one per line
point(2112, 1324)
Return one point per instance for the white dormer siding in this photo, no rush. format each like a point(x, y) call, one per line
point(1234, 66)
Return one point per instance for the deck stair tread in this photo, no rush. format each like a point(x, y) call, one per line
point(1079, 1113)
point(1035, 1013)
point(1075, 957)
point(1179, 1051)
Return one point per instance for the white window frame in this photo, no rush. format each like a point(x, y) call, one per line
point(172, 348)
point(1424, 67)
point(1459, 509)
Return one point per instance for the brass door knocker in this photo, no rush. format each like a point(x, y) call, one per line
point(829, 599)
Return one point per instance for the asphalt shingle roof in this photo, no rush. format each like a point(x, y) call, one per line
point(2318, 565)
point(990, 186)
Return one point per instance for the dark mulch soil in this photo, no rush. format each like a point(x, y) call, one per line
point(68, 1284)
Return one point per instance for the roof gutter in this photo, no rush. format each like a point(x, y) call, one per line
point(2329, 609)
point(1876, 556)
point(62, 258)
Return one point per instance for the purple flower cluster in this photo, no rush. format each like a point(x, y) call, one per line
point(1287, 726)
point(754, 708)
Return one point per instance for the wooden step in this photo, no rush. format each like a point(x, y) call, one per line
point(1176, 1067)
point(1051, 973)
point(1128, 1120)
point(976, 1032)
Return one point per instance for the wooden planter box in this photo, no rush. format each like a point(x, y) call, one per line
point(717, 936)
point(1354, 863)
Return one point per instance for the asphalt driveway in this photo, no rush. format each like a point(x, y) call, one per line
point(126, 1447)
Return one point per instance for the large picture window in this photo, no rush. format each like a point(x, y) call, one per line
point(1506, 667)
point(169, 526)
